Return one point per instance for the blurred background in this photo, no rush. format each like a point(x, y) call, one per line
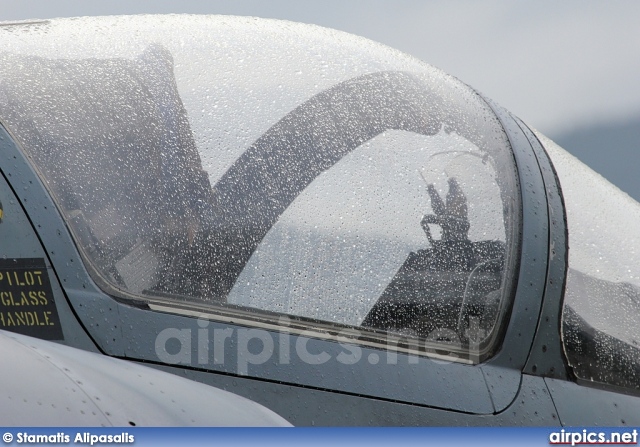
point(569, 68)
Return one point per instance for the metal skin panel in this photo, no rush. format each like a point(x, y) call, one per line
point(310, 407)
point(33, 388)
point(503, 372)
point(309, 362)
point(47, 384)
point(577, 404)
point(547, 354)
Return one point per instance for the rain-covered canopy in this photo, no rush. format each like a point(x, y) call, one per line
point(601, 319)
point(272, 168)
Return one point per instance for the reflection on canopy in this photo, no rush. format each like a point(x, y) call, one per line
point(113, 142)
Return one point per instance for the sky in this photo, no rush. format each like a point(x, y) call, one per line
point(558, 65)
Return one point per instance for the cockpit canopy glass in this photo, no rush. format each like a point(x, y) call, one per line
point(269, 168)
point(600, 321)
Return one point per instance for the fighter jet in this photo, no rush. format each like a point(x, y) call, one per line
point(330, 228)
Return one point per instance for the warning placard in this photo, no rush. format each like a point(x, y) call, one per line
point(26, 300)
